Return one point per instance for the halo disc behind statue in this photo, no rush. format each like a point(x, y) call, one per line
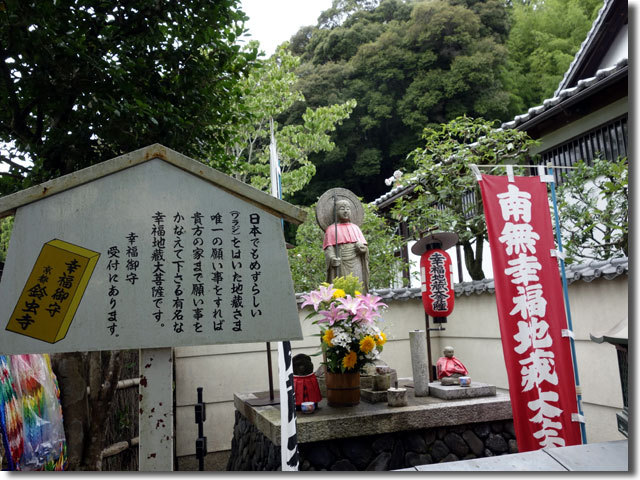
point(324, 207)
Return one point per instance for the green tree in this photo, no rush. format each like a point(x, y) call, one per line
point(593, 204)
point(83, 81)
point(544, 38)
point(409, 65)
point(447, 193)
point(307, 258)
point(268, 91)
point(6, 224)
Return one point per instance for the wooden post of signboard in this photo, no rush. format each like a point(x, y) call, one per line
point(155, 453)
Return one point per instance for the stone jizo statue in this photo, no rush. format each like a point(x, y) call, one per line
point(339, 213)
point(450, 369)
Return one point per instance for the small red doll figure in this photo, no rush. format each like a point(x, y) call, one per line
point(450, 368)
point(305, 382)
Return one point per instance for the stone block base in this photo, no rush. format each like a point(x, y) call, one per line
point(252, 451)
point(373, 396)
point(456, 392)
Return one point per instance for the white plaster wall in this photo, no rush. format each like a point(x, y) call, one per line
point(472, 330)
point(619, 49)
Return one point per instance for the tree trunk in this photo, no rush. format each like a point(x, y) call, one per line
point(100, 401)
point(69, 370)
point(473, 260)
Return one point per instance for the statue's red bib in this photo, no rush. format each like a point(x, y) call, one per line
point(347, 233)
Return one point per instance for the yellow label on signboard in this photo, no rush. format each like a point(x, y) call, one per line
point(53, 291)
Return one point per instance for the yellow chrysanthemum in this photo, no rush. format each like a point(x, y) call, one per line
point(339, 293)
point(349, 360)
point(358, 293)
point(381, 339)
point(367, 344)
point(328, 336)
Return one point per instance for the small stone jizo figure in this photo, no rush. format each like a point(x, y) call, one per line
point(449, 368)
point(345, 248)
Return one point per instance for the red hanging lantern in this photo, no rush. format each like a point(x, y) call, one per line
point(436, 272)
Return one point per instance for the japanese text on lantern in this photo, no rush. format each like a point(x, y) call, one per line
point(438, 282)
point(538, 375)
point(53, 291)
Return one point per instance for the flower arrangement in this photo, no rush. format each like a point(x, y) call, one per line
point(347, 319)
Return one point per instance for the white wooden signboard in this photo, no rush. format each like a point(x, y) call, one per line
point(147, 256)
point(148, 250)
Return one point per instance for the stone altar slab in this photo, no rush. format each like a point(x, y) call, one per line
point(328, 423)
point(456, 392)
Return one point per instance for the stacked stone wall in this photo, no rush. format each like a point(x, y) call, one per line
point(252, 451)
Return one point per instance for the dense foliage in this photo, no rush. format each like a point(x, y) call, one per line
point(412, 64)
point(593, 205)
point(307, 258)
point(6, 224)
point(83, 81)
point(544, 37)
point(447, 193)
point(409, 65)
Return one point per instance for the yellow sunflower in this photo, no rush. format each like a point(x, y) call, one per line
point(367, 344)
point(328, 336)
point(381, 339)
point(339, 293)
point(349, 360)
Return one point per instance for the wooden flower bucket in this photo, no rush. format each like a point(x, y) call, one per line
point(343, 389)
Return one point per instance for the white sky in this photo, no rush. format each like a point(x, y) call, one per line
point(272, 22)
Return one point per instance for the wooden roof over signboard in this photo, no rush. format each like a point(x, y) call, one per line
point(277, 207)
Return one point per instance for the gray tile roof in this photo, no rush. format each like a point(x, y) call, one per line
point(565, 94)
point(582, 51)
point(395, 191)
point(588, 271)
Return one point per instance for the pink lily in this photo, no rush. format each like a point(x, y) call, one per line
point(350, 304)
point(368, 310)
point(312, 298)
point(332, 315)
point(372, 302)
point(316, 297)
point(326, 293)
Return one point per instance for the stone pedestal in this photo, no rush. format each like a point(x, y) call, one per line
point(456, 392)
point(373, 396)
point(375, 436)
point(419, 362)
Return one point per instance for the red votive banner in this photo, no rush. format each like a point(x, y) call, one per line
point(531, 312)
